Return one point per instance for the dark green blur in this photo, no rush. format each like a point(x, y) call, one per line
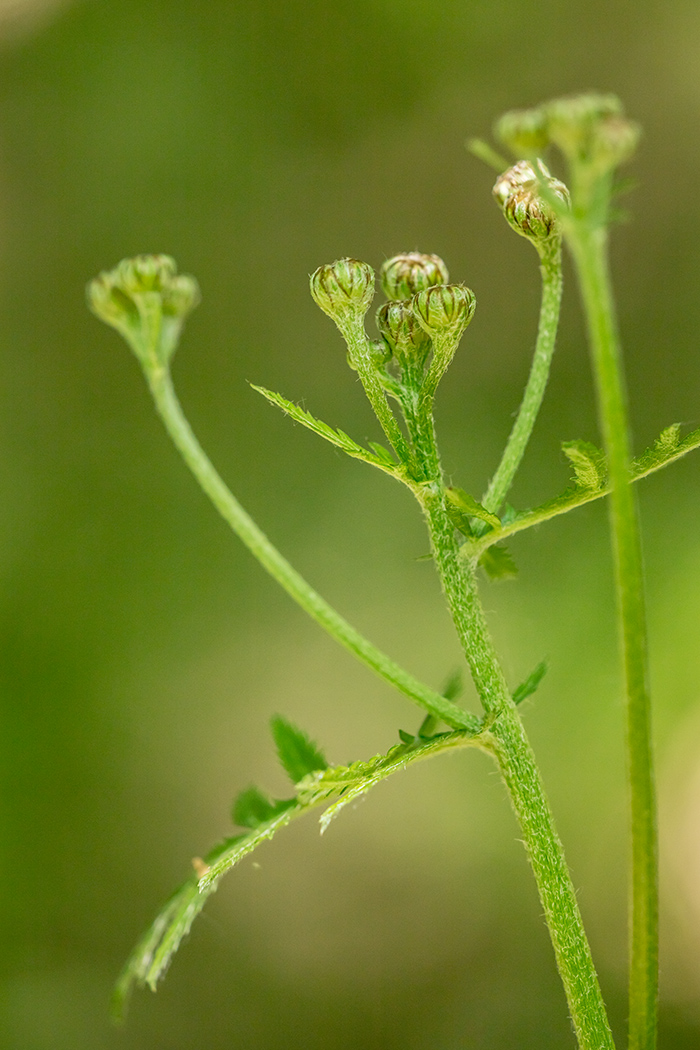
point(143, 652)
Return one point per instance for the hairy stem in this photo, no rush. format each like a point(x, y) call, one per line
point(506, 738)
point(279, 568)
point(589, 248)
point(360, 353)
point(550, 268)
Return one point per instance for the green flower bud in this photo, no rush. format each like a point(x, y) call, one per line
point(403, 276)
point(146, 301)
point(444, 309)
point(592, 128)
point(519, 195)
point(343, 289)
point(400, 329)
point(524, 131)
point(615, 142)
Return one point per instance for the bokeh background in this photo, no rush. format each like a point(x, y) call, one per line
point(143, 651)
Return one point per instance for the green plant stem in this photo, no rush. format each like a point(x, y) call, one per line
point(550, 268)
point(506, 739)
point(258, 544)
point(360, 353)
point(589, 248)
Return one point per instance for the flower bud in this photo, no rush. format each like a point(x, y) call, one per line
point(147, 301)
point(592, 128)
point(343, 288)
point(400, 330)
point(615, 142)
point(444, 309)
point(519, 195)
point(403, 276)
point(524, 131)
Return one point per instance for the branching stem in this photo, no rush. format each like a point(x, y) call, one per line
point(259, 545)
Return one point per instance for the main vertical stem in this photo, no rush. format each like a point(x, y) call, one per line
point(589, 247)
point(507, 741)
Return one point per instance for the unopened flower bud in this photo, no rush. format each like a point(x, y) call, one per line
point(343, 288)
point(400, 329)
point(147, 301)
point(519, 193)
point(616, 140)
point(403, 276)
point(524, 131)
point(444, 309)
point(592, 128)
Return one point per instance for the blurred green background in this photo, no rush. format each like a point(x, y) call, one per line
point(143, 651)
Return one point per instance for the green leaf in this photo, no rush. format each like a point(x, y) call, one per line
point(509, 514)
point(454, 685)
point(497, 563)
point(297, 753)
point(588, 461)
point(661, 454)
point(461, 501)
point(666, 444)
point(252, 808)
point(350, 782)
point(406, 738)
point(382, 453)
point(528, 687)
point(380, 457)
point(150, 959)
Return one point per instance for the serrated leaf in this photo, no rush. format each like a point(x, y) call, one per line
point(150, 959)
point(497, 562)
point(528, 687)
point(655, 458)
point(297, 753)
point(466, 504)
point(664, 446)
point(252, 808)
point(336, 437)
point(588, 462)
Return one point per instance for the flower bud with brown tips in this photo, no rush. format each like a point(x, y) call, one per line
point(444, 309)
point(343, 289)
point(518, 191)
point(403, 276)
point(400, 329)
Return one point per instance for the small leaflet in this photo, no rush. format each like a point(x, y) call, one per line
point(497, 562)
point(297, 753)
point(528, 687)
point(588, 461)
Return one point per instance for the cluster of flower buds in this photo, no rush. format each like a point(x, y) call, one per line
point(589, 129)
point(427, 305)
point(528, 194)
point(421, 306)
point(147, 301)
